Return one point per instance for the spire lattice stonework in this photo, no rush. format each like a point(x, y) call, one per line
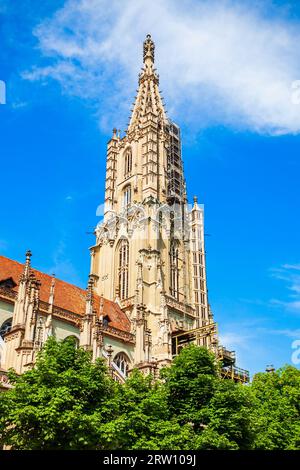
point(148, 103)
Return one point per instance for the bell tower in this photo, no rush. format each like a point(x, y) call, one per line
point(149, 251)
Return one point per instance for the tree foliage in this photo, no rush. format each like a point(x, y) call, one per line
point(277, 410)
point(68, 402)
point(59, 403)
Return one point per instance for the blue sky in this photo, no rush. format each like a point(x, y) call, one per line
point(227, 71)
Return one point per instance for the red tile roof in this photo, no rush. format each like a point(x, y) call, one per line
point(66, 296)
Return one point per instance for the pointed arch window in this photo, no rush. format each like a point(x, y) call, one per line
point(174, 272)
point(5, 327)
point(126, 195)
point(123, 268)
point(121, 361)
point(128, 162)
point(72, 339)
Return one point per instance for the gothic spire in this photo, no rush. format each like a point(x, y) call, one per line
point(148, 104)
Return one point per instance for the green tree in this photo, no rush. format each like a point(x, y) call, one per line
point(228, 418)
point(68, 402)
point(277, 409)
point(218, 410)
point(142, 419)
point(59, 404)
point(190, 383)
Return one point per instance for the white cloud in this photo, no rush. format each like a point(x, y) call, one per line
point(290, 275)
point(296, 267)
point(293, 306)
point(236, 339)
point(220, 63)
point(287, 332)
point(247, 339)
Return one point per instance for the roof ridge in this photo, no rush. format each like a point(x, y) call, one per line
point(67, 296)
point(56, 278)
point(42, 272)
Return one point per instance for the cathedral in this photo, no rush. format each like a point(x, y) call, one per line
point(146, 295)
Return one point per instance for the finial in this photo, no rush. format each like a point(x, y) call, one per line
point(27, 267)
point(28, 256)
point(195, 199)
point(114, 132)
point(149, 48)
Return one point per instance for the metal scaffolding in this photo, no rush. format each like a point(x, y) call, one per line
point(207, 336)
point(176, 184)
